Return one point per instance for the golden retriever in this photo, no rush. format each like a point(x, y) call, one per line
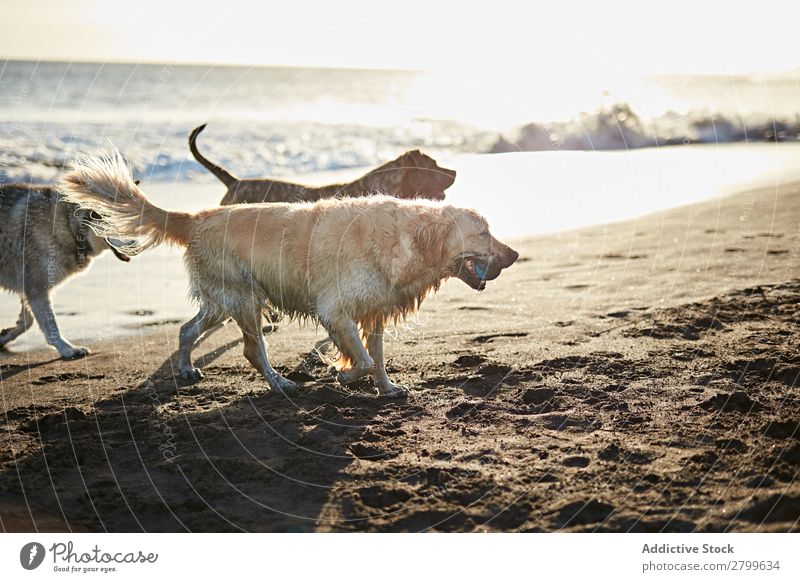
point(412, 175)
point(352, 264)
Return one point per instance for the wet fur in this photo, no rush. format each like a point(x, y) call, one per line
point(412, 175)
point(352, 264)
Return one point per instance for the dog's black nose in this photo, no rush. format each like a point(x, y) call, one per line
point(511, 256)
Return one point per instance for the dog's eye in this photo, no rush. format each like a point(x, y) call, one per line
point(485, 233)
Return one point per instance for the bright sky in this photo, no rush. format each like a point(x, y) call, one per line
point(535, 38)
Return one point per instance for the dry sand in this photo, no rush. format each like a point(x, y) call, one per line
point(640, 376)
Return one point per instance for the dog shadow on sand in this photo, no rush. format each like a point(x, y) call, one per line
point(223, 455)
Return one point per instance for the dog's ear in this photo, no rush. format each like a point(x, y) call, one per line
point(431, 238)
point(407, 161)
point(413, 157)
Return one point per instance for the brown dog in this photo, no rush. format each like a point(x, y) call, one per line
point(412, 175)
point(348, 263)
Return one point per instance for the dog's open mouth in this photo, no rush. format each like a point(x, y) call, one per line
point(118, 248)
point(474, 271)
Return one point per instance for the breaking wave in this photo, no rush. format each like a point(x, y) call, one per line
point(39, 151)
point(619, 127)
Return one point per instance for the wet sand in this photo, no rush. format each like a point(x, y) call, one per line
point(637, 376)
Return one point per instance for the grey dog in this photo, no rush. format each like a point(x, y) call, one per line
point(43, 241)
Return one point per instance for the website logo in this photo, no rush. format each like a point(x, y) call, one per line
point(31, 555)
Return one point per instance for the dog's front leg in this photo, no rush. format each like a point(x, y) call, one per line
point(43, 312)
point(384, 386)
point(23, 324)
point(344, 333)
point(255, 349)
point(202, 323)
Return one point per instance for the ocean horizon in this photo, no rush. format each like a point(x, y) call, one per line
point(286, 121)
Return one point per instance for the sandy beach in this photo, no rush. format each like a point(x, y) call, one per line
point(635, 376)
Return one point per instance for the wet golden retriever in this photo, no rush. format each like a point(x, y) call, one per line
point(352, 264)
point(412, 175)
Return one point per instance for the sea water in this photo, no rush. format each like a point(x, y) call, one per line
point(280, 121)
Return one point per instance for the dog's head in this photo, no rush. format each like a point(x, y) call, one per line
point(422, 177)
point(458, 242)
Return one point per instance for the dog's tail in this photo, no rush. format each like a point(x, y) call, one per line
point(104, 184)
point(223, 175)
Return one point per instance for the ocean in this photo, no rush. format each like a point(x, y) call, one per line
point(277, 121)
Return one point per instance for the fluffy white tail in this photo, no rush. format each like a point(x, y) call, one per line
point(104, 184)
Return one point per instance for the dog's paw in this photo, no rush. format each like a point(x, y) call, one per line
point(281, 384)
point(345, 377)
point(74, 353)
point(350, 375)
point(392, 390)
point(191, 375)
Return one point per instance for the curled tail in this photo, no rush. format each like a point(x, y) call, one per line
point(223, 175)
point(104, 184)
